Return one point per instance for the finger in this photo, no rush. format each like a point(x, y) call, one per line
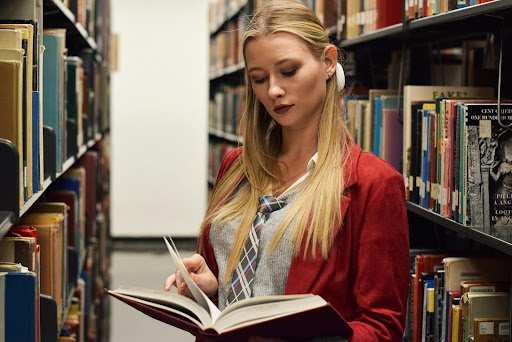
point(194, 263)
point(169, 282)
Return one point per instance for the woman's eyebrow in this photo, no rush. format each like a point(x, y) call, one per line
point(282, 61)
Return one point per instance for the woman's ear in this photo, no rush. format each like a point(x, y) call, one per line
point(330, 60)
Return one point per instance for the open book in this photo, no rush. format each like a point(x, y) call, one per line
point(294, 317)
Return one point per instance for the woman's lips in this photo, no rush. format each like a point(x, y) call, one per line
point(282, 109)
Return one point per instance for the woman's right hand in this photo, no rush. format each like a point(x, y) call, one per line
point(200, 274)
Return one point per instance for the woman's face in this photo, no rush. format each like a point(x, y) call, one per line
point(287, 79)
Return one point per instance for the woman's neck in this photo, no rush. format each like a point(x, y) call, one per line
point(298, 144)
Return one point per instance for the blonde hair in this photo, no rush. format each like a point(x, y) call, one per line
point(316, 209)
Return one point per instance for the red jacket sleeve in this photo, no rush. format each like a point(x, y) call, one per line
point(382, 259)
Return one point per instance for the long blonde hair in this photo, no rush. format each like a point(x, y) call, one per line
point(316, 209)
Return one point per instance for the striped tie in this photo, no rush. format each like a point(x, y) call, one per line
point(243, 275)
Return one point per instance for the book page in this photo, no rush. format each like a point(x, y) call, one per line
point(263, 311)
point(198, 294)
point(183, 304)
point(179, 313)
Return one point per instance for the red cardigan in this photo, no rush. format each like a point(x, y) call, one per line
point(366, 276)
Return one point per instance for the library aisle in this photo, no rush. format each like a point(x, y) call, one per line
point(146, 265)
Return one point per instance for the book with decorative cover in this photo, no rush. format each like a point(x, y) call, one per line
point(489, 169)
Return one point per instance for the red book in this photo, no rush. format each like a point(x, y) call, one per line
point(303, 323)
point(389, 12)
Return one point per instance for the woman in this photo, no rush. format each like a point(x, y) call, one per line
point(340, 228)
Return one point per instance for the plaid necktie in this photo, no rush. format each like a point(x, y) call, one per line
point(243, 275)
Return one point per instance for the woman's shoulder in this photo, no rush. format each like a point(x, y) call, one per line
point(228, 160)
point(232, 155)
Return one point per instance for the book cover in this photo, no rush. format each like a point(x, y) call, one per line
point(375, 115)
point(89, 161)
point(11, 103)
point(19, 250)
point(482, 305)
point(489, 177)
point(272, 316)
point(20, 307)
point(27, 31)
point(53, 95)
point(10, 39)
point(50, 237)
point(392, 130)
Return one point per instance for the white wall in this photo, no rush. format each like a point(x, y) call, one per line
point(159, 117)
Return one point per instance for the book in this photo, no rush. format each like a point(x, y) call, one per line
point(53, 90)
point(19, 250)
point(482, 305)
point(271, 316)
point(11, 114)
point(89, 161)
point(375, 117)
point(430, 93)
point(50, 235)
point(27, 31)
point(489, 146)
point(492, 330)
point(392, 130)
point(20, 306)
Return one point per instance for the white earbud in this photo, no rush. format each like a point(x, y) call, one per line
point(340, 76)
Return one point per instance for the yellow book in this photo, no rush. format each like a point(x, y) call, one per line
point(27, 31)
point(455, 323)
point(10, 39)
point(11, 90)
point(50, 235)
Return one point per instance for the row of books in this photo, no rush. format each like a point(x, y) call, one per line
point(226, 108)
point(375, 123)
point(216, 151)
point(225, 47)
point(414, 9)
point(221, 10)
point(58, 91)
point(365, 16)
point(455, 153)
point(458, 298)
point(58, 249)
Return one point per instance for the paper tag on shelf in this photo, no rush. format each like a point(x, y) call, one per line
point(504, 328)
point(486, 328)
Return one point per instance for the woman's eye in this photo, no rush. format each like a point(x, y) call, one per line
point(259, 80)
point(289, 73)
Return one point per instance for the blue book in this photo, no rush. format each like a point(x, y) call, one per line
point(377, 127)
point(20, 307)
point(424, 162)
point(52, 94)
point(35, 142)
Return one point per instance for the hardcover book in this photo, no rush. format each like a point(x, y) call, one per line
point(489, 169)
point(271, 316)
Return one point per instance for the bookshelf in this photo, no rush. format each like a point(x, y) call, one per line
point(86, 39)
point(227, 24)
